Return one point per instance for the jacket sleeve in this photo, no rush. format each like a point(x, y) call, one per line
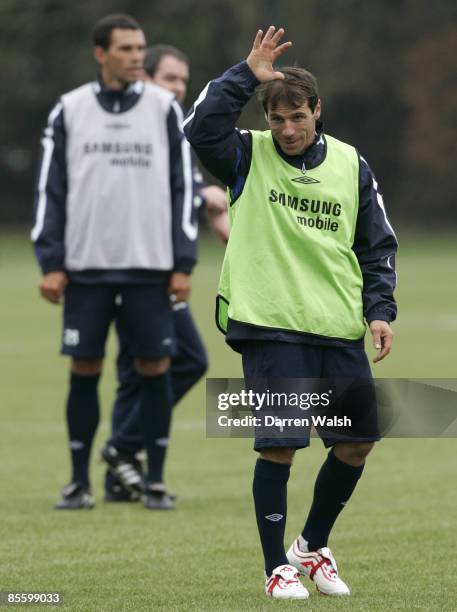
point(50, 195)
point(198, 199)
point(375, 246)
point(210, 125)
point(184, 227)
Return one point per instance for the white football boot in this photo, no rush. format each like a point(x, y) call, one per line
point(284, 583)
point(320, 566)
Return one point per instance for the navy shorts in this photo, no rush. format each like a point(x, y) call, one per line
point(144, 311)
point(272, 365)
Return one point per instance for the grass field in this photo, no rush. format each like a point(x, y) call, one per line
point(396, 542)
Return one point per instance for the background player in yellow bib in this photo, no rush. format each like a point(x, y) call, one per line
point(309, 261)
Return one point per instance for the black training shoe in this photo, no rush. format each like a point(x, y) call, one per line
point(116, 492)
point(125, 468)
point(75, 496)
point(157, 498)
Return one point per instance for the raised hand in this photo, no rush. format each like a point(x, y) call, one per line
point(265, 51)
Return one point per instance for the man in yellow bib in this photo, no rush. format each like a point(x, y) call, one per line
point(310, 262)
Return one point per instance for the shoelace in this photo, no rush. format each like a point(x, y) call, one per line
point(293, 580)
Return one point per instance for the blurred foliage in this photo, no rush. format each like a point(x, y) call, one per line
point(385, 67)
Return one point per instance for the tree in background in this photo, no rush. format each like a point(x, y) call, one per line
point(384, 66)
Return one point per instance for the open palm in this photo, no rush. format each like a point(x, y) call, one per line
point(265, 51)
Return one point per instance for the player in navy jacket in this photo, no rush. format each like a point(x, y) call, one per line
point(114, 235)
point(228, 157)
point(270, 354)
point(168, 67)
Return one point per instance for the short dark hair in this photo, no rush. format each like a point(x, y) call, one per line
point(104, 27)
point(297, 87)
point(155, 54)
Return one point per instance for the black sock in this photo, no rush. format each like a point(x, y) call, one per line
point(334, 486)
point(155, 407)
point(83, 414)
point(270, 499)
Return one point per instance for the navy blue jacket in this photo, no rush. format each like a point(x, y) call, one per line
point(49, 245)
point(226, 152)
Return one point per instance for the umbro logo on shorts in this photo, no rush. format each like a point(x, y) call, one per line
point(274, 517)
point(179, 306)
point(71, 337)
point(167, 341)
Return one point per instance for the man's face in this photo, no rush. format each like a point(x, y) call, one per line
point(172, 74)
point(122, 62)
point(293, 128)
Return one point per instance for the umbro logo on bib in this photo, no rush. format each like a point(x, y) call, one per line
point(117, 126)
point(305, 180)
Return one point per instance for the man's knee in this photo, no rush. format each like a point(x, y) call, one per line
point(86, 367)
point(278, 455)
point(152, 367)
point(353, 453)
